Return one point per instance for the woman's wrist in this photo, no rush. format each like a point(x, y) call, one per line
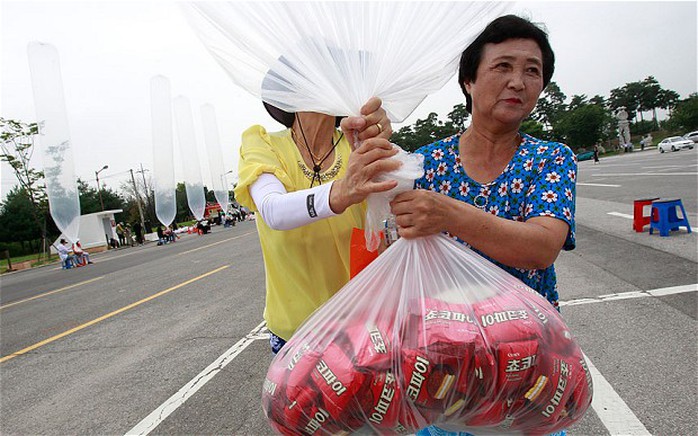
point(338, 199)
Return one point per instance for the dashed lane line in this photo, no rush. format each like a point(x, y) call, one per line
point(74, 285)
point(150, 422)
point(107, 316)
point(646, 174)
point(601, 185)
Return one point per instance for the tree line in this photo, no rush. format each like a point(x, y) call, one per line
point(579, 121)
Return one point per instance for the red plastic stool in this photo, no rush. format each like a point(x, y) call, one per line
point(639, 218)
point(666, 219)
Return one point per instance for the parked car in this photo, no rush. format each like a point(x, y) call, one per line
point(585, 155)
point(674, 143)
point(693, 136)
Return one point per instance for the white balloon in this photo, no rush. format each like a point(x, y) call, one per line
point(163, 148)
point(190, 157)
point(54, 138)
point(215, 156)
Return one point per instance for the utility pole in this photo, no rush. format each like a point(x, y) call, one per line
point(138, 201)
point(146, 203)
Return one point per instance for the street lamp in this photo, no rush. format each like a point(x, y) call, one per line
point(101, 202)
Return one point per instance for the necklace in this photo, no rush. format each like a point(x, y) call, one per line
point(317, 162)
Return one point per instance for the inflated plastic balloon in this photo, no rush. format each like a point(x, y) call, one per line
point(190, 157)
point(331, 57)
point(163, 148)
point(54, 138)
point(215, 157)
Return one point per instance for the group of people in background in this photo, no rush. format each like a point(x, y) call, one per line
point(126, 233)
point(73, 256)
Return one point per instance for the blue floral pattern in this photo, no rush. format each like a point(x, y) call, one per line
point(538, 181)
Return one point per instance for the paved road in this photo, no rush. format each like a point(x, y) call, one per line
point(168, 340)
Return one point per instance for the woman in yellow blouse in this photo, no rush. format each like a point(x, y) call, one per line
point(307, 186)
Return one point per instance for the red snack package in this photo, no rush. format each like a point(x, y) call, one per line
point(274, 398)
point(548, 396)
point(446, 328)
point(427, 383)
point(516, 366)
point(337, 380)
point(370, 344)
point(382, 409)
point(507, 319)
point(300, 365)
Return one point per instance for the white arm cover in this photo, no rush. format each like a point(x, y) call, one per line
point(283, 210)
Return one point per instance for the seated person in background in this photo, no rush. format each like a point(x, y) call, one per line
point(161, 235)
point(82, 257)
point(67, 259)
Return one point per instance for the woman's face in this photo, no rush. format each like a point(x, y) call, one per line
point(508, 82)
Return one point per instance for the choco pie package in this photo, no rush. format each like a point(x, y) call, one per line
point(430, 333)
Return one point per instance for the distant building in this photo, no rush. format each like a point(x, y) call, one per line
point(95, 230)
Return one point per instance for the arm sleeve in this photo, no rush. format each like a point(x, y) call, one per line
point(283, 210)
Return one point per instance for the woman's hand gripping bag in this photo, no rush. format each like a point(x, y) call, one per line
point(429, 333)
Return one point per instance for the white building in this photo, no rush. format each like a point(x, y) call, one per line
point(95, 230)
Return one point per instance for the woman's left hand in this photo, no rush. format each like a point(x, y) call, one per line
point(421, 213)
point(373, 123)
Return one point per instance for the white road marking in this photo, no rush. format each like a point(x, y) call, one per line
point(598, 184)
point(633, 294)
point(150, 422)
point(645, 174)
point(625, 215)
point(613, 412)
point(622, 215)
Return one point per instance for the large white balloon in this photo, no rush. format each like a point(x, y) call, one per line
point(163, 148)
point(215, 156)
point(331, 57)
point(190, 157)
point(54, 138)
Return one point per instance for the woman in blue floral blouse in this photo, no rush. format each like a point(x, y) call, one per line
point(507, 195)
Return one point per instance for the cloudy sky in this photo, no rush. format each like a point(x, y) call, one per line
point(110, 50)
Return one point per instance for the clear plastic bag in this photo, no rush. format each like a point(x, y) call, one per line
point(430, 333)
point(378, 214)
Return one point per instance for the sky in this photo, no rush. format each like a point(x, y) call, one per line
point(110, 50)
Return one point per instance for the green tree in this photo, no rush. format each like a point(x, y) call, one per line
point(668, 99)
point(89, 198)
point(684, 118)
point(551, 106)
point(183, 213)
point(533, 128)
point(424, 131)
point(582, 127)
point(649, 97)
point(458, 117)
point(576, 102)
point(627, 96)
point(17, 222)
point(17, 146)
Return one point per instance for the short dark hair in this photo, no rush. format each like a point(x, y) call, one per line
point(500, 30)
